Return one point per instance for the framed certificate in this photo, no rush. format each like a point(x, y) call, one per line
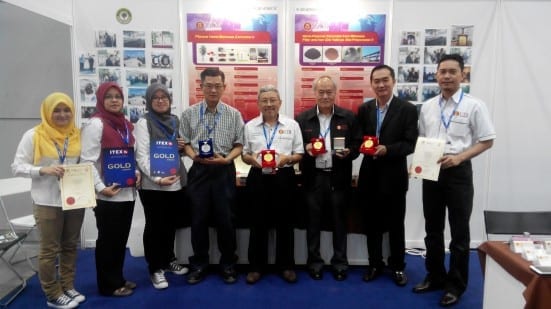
point(424, 162)
point(77, 187)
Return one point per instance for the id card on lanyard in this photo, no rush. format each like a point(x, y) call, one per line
point(119, 166)
point(164, 159)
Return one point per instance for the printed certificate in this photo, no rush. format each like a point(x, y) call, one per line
point(77, 187)
point(427, 152)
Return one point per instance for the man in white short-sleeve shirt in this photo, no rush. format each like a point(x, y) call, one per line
point(464, 123)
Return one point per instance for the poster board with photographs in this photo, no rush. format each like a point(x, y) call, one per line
point(129, 46)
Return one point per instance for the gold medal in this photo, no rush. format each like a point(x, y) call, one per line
point(317, 145)
point(268, 157)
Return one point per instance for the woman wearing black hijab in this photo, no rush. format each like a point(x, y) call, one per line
point(158, 148)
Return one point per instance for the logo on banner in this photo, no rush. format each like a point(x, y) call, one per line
point(124, 16)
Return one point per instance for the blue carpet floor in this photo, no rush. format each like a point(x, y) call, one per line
point(269, 292)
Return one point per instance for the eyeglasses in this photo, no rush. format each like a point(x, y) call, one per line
point(112, 97)
point(270, 101)
point(163, 98)
point(322, 93)
point(213, 86)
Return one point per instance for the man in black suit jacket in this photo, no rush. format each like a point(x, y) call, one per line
point(327, 176)
point(383, 179)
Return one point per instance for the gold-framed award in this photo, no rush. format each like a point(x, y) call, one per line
point(318, 145)
point(369, 145)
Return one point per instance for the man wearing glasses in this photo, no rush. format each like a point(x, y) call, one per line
point(213, 137)
point(332, 138)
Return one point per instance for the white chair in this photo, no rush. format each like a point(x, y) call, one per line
point(12, 238)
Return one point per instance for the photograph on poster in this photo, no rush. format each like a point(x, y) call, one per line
point(162, 39)
point(133, 39)
point(109, 58)
point(162, 60)
point(433, 54)
point(312, 54)
point(88, 90)
point(136, 96)
point(352, 54)
point(408, 74)
point(162, 78)
point(409, 55)
point(429, 91)
point(467, 72)
point(134, 58)
point(87, 62)
point(207, 53)
point(371, 54)
point(332, 53)
point(429, 74)
point(109, 75)
point(462, 35)
point(465, 52)
point(410, 38)
point(87, 111)
point(436, 37)
point(408, 92)
point(136, 78)
point(106, 39)
point(136, 112)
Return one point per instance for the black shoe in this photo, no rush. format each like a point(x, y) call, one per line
point(449, 299)
point(289, 276)
point(253, 277)
point(428, 286)
point(372, 273)
point(315, 274)
point(195, 276)
point(399, 277)
point(339, 274)
point(229, 275)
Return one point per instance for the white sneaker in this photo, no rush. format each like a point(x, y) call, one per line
point(158, 279)
point(177, 269)
point(75, 295)
point(62, 302)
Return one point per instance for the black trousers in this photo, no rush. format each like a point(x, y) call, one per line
point(271, 206)
point(386, 213)
point(454, 191)
point(113, 220)
point(323, 200)
point(160, 226)
point(212, 191)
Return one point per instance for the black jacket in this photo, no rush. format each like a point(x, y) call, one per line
point(343, 124)
point(398, 133)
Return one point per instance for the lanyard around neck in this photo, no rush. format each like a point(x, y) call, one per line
point(380, 118)
point(202, 120)
point(62, 154)
point(447, 122)
point(271, 139)
point(327, 129)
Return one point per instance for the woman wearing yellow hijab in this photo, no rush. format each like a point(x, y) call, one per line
point(41, 154)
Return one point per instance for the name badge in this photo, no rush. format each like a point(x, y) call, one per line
point(119, 167)
point(164, 159)
point(206, 150)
